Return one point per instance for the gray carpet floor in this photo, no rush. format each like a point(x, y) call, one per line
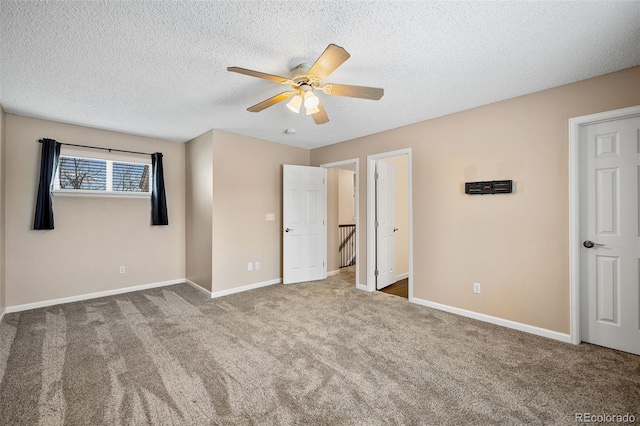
point(319, 353)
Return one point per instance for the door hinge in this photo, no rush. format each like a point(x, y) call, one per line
point(377, 224)
point(376, 273)
point(322, 263)
point(376, 175)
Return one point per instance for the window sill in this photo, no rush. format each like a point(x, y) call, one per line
point(100, 194)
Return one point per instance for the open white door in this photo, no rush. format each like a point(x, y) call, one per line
point(386, 224)
point(610, 159)
point(304, 212)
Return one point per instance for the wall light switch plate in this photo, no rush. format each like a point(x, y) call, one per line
point(257, 265)
point(476, 287)
point(271, 216)
point(249, 266)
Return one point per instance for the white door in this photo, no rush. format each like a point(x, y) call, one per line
point(610, 158)
point(386, 224)
point(304, 213)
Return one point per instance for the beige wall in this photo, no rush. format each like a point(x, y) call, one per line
point(247, 184)
point(347, 215)
point(333, 208)
point(199, 209)
point(515, 245)
point(2, 180)
point(93, 236)
point(401, 165)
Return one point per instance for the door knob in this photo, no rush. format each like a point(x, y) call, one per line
point(288, 229)
point(591, 244)
point(395, 229)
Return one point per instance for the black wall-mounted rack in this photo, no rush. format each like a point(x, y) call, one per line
point(489, 187)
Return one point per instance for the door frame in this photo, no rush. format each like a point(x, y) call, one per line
point(371, 214)
point(574, 207)
point(355, 161)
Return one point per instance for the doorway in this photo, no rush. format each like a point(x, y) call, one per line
point(343, 220)
point(604, 246)
point(390, 229)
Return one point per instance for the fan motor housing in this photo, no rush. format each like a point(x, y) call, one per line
point(300, 75)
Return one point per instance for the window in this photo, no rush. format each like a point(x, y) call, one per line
point(131, 177)
point(82, 173)
point(102, 176)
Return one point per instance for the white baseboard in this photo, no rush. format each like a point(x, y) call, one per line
point(198, 287)
point(402, 276)
point(495, 320)
point(336, 272)
point(362, 287)
point(245, 288)
point(45, 303)
point(4, 311)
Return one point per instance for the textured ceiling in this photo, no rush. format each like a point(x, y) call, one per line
point(159, 68)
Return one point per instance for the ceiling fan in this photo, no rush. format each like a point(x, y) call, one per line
point(305, 79)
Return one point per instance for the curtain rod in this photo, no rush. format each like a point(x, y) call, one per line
point(105, 149)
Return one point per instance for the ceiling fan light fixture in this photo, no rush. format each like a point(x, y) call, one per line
point(312, 110)
point(295, 103)
point(310, 100)
point(304, 80)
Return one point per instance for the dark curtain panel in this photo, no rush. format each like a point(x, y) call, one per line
point(159, 214)
point(48, 165)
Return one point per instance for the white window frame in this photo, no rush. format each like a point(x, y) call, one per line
point(110, 158)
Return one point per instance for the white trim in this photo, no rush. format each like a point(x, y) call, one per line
point(495, 320)
point(330, 273)
point(362, 287)
point(371, 206)
point(355, 161)
point(198, 287)
point(97, 193)
point(574, 207)
point(4, 311)
point(45, 303)
point(371, 230)
point(340, 163)
point(245, 288)
point(325, 222)
point(402, 276)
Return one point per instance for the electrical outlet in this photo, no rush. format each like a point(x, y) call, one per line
point(249, 266)
point(257, 265)
point(122, 271)
point(476, 287)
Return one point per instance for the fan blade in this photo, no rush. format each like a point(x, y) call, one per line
point(353, 91)
point(259, 74)
point(320, 117)
point(271, 101)
point(332, 57)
